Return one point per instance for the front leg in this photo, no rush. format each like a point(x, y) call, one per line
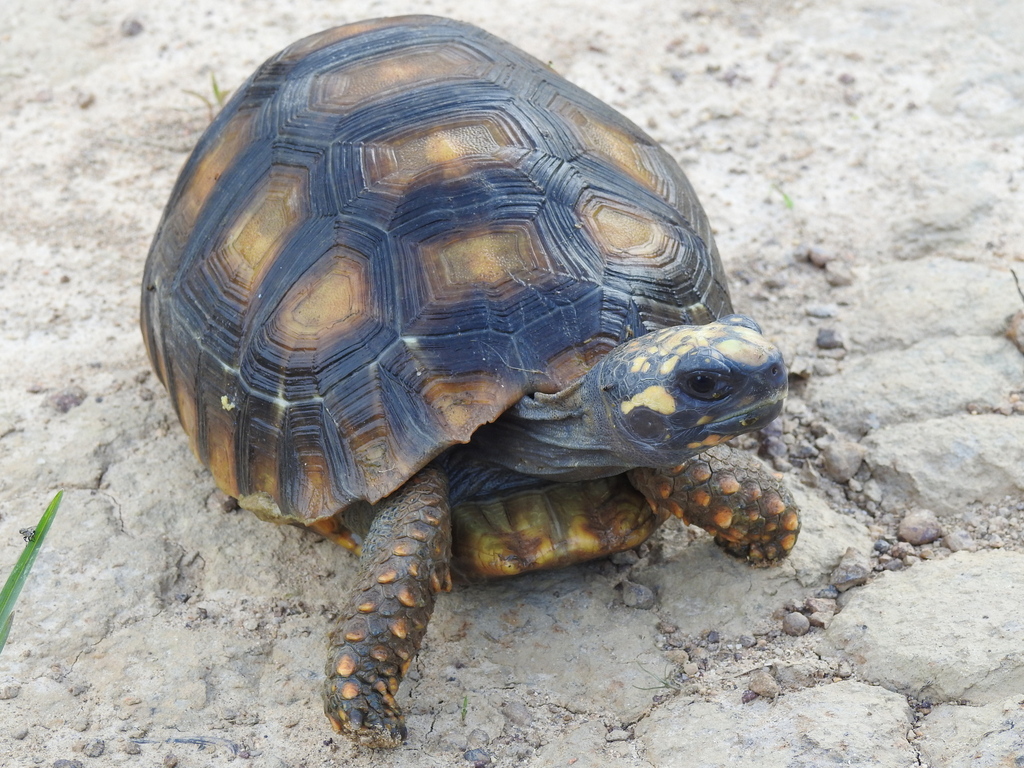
point(404, 564)
point(730, 495)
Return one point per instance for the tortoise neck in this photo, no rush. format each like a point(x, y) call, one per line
point(559, 437)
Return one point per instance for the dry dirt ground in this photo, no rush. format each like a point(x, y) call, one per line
point(862, 163)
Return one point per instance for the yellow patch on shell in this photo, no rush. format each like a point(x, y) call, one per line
point(626, 234)
point(258, 232)
point(453, 149)
point(219, 154)
point(274, 212)
point(613, 145)
point(352, 85)
point(655, 397)
point(333, 297)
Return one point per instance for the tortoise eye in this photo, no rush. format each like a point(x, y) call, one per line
point(704, 385)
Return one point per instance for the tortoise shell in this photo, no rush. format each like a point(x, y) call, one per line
point(393, 232)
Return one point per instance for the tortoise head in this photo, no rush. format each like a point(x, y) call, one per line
point(671, 394)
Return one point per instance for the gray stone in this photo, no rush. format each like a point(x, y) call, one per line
point(920, 527)
point(958, 540)
point(842, 459)
point(941, 631)
point(846, 723)
point(946, 464)
point(637, 596)
point(763, 684)
point(918, 383)
point(852, 571)
point(795, 624)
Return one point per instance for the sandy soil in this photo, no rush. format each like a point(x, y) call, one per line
point(861, 163)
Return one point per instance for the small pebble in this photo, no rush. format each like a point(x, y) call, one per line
point(821, 310)
point(838, 274)
point(842, 459)
point(852, 571)
point(882, 546)
point(67, 764)
point(131, 27)
point(820, 605)
point(637, 596)
point(821, 619)
point(830, 338)
point(959, 540)
point(618, 734)
point(170, 760)
point(9, 692)
point(748, 696)
point(795, 624)
point(763, 684)
point(68, 398)
point(94, 748)
point(517, 713)
point(20, 735)
point(920, 527)
point(478, 757)
point(131, 748)
point(629, 557)
point(690, 669)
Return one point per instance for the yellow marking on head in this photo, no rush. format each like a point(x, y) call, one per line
point(743, 350)
point(668, 365)
point(655, 397)
point(709, 442)
point(704, 420)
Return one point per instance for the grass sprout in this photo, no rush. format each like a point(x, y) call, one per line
point(219, 97)
point(670, 679)
point(786, 199)
point(11, 590)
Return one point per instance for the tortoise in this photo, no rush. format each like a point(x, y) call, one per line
point(415, 291)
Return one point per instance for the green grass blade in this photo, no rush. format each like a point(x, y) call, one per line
point(11, 590)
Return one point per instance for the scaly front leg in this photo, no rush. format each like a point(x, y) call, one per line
point(730, 495)
point(404, 564)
